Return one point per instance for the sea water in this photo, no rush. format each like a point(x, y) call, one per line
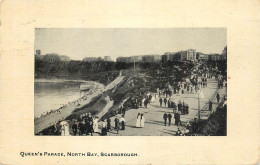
point(52, 95)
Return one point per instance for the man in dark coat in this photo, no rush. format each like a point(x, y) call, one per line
point(172, 104)
point(160, 100)
point(116, 124)
point(165, 118)
point(218, 97)
point(183, 108)
point(82, 128)
point(108, 124)
point(180, 106)
point(150, 98)
point(146, 101)
point(177, 118)
point(187, 109)
point(169, 118)
point(74, 128)
point(169, 103)
point(89, 126)
point(165, 101)
point(210, 105)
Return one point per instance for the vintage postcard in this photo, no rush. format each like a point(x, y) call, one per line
point(129, 82)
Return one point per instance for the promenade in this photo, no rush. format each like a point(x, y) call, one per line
point(154, 123)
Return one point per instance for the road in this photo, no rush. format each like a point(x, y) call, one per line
point(154, 124)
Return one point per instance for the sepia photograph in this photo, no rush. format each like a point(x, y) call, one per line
point(130, 82)
point(151, 76)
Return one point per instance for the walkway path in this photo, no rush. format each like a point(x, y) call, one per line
point(154, 124)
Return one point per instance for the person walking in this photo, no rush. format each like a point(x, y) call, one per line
point(169, 118)
point(187, 109)
point(138, 120)
point(210, 105)
point(142, 121)
point(165, 118)
point(218, 97)
point(55, 129)
point(165, 101)
point(74, 128)
point(180, 106)
point(146, 102)
point(169, 103)
point(108, 124)
point(104, 128)
point(116, 122)
point(160, 100)
point(117, 125)
point(82, 128)
point(175, 117)
point(90, 130)
point(178, 117)
point(95, 124)
point(122, 121)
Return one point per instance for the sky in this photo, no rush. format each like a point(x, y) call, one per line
point(78, 43)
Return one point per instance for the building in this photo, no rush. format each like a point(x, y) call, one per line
point(51, 57)
point(220, 57)
point(165, 57)
point(206, 57)
point(215, 57)
point(135, 59)
point(170, 55)
point(122, 59)
point(189, 55)
point(91, 59)
point(140, 58)
point(107, 58)
point(202, 56)
point(64, 58)
point(151, 58)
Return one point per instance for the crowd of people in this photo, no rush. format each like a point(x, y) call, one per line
point(181, 107)
point(87, 124)
point(142, 100)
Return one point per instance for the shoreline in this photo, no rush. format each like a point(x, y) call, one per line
point(54, 80)
point(92, 85)
point(49, 119)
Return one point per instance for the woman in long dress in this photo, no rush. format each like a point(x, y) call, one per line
point(95, 124)
point(152, 99)
point(138, 121)
point(63, 130)
point(142, 120)
point(122, 121)
point(67, 132)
